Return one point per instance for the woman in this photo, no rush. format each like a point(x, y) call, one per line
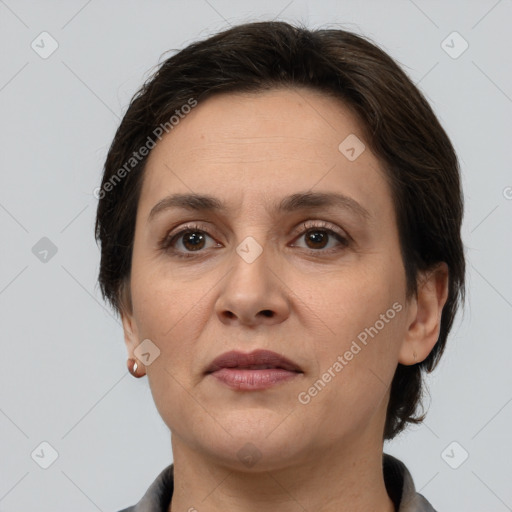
point(279, 221)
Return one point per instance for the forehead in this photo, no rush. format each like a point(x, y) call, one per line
point(262, 125)
point(261, 147)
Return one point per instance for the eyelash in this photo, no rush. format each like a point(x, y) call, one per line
point(166, 243)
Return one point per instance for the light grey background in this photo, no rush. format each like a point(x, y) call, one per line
point(63, 377)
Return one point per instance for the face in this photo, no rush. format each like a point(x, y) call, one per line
point(281, 265)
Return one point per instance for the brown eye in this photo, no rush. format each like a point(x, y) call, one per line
point(317, 239)
point(320, 238)
point(193, 240)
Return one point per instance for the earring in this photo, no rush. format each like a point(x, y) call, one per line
point(133, 367)
point(415, 356)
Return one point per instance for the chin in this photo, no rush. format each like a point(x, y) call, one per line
point(254, 456)
point(245, 438)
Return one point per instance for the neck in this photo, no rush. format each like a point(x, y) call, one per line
point(340, 480)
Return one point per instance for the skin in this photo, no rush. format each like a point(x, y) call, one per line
point(300, 298)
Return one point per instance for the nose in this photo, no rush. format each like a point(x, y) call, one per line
point(252, 293)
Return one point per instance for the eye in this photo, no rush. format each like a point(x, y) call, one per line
point(321, 236)
point(192, 238)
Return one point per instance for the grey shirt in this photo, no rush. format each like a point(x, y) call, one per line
point(399, 485)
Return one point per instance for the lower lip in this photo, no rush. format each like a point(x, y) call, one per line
point(253, 380)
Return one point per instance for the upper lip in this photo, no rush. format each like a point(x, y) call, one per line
point(235, 359)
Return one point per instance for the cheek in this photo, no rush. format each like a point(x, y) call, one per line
point(351, 300)
point(162, 302)
point(356, 356)
point(362, 324)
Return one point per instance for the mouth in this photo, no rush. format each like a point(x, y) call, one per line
point(257, 370)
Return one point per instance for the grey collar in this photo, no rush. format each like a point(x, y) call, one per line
point(399, 484)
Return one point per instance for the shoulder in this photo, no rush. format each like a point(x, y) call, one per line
point(159, 494)
point(400, 487)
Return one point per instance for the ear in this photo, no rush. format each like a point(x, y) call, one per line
point(425, 315)
point(131, 337)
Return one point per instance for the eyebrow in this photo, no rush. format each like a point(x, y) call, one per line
point(292, 203)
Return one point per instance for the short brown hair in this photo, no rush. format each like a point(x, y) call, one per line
point(399, 126)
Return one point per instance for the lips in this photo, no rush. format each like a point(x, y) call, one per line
point(257, 371)
point(256, 360)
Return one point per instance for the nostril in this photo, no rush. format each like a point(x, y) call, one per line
point(267, 313)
